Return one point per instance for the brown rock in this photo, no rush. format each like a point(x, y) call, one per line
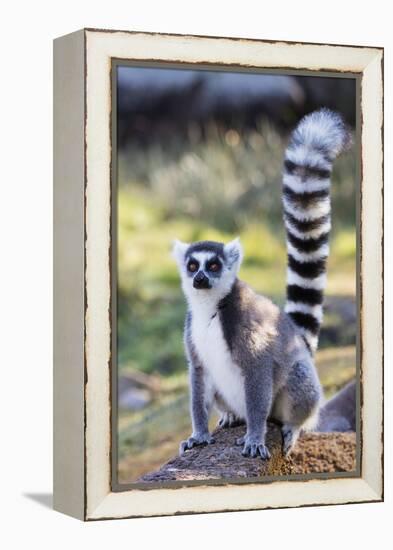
point(314, 452)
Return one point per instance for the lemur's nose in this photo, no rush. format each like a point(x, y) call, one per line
point(201, 281)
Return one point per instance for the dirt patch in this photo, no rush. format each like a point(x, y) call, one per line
point(324, 452)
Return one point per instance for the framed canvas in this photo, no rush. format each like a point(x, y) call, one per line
point(187, 142)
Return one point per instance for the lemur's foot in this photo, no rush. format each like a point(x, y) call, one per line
point(228, 420)
point(253, 447)
point(289, 438)
point(194, 440)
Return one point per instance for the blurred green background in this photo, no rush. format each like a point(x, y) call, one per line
point(214, 176)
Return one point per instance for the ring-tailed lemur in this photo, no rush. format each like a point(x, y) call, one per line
point(246, 356)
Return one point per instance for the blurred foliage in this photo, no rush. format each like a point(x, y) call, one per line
point(216, 188)
point(227, 179)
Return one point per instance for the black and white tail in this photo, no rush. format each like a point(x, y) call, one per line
point(314, 144)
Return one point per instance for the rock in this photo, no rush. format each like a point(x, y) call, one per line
point(136, 389)
point(134, 399)
point(314, 452)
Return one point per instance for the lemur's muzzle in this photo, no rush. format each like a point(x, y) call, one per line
point(201, 281)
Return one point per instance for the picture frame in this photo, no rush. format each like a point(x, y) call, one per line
point(84, 287)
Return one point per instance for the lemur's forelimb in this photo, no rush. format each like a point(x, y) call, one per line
point(258, 386)
point(200, 402)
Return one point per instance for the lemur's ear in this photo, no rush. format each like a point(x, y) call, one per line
point(179, 250)
point(234, 252)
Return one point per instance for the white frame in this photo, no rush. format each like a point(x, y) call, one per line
point(82, 472)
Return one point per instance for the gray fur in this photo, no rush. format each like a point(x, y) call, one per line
point(258, 382)
point(339, 413)
point(279, 374)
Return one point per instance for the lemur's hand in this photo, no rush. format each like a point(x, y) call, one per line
point(194, 440)
point(253, 447)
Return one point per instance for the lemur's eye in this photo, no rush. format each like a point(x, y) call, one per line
point(192, 266)
point(215, 266)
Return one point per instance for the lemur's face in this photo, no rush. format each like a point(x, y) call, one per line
point(207, 266)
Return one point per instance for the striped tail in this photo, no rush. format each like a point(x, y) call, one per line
point(314, 144)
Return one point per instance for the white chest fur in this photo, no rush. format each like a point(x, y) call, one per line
point(222, 374)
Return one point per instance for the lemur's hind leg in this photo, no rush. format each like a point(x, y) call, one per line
point(297, 403)
point(229, 420)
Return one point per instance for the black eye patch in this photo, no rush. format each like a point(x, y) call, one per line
point(213, 265)
point(192, 265)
